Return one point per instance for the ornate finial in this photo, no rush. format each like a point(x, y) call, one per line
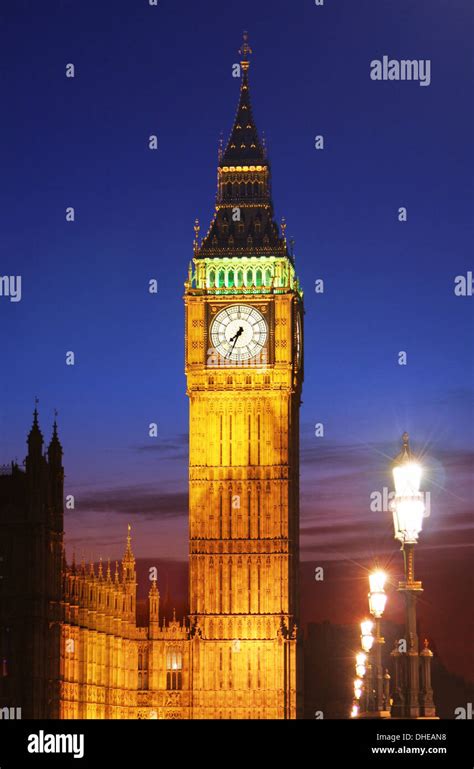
point(426, 643)
point(197, 227)
point(245, 50)
point(101, 574)
point(220, 150)
point(283, 228)
point(174, 615)
point(264, 144)
point(108, 570)
point(116, 577)
point(405, 454)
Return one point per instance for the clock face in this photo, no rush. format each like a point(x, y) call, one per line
point(239, 332)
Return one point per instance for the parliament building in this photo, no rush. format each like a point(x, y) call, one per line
point(70, 643)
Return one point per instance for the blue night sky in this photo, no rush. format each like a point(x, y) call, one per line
point(389, 286)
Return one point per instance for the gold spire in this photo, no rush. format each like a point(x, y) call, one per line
point(128, 557)
point(197, 227)
point(245, 50)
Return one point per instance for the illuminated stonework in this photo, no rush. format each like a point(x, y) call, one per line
point(109, 666)
point(238, 655)
point(244, 448)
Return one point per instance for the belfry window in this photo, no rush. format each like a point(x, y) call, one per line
point(174, 669)
point(230, 278)
point(249, 280)
point(221, 279)
point(258, 278)
point(212, 278)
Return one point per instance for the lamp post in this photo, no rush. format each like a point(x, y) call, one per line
point(408, 509)
point(377, 601)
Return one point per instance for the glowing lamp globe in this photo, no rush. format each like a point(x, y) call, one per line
point(377, 580)
point(360, 664)
point(355, 711)
point(366, 638)
point(358, 688)
point(408, 507)
point(377, 597)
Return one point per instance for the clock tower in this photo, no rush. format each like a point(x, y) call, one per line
point(244, 370)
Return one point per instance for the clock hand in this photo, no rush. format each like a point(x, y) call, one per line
point(234, 339)
point(237, 334)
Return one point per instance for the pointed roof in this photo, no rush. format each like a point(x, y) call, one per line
point(129, 557)
point(35, 436)
point(55, 449)
point(244, 186)
point(244, 145)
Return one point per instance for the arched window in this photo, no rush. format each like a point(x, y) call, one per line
point(239, 278)
point(258, 278)
point(230, 278)
point(212, 278)
point(174, 669)
point(229, 189)
point(221, 279)
point(256, 188)
point(249, 188)
point(268, 276)
point(249, 279)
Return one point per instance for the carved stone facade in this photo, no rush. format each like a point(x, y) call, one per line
point(110, 666)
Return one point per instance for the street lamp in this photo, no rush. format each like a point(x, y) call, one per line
point(360, 664)
point(377, 602)
point(377, 596)
point(366, 637)
point(410, 701)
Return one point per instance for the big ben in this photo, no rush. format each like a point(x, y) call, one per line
point(244, 368)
